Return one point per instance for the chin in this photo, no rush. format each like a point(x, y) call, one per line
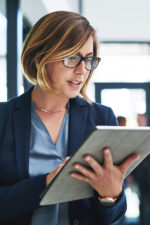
point(73, 95)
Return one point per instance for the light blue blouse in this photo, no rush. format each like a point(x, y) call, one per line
point(44, 158)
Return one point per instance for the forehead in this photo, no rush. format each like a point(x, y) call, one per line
point(87, 47)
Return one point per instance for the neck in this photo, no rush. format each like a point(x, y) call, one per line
point(48, 102)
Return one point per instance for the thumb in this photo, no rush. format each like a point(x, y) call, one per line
point(128, 162)
point(63, 163)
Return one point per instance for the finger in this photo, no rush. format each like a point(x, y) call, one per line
point(93, 164)
point(127, 163)
point(84, 171)
point(79, 177)
point(63, 163)
point(51, 175)
point(66, 159)
point(59, 168)
point(108, 160)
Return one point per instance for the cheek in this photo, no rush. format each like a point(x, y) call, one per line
point(87, 76)
point(53, 75)
point(53, 69)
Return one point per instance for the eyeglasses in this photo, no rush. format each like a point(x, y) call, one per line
point(90, 62)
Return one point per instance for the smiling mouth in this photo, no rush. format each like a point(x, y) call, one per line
point(75, 83)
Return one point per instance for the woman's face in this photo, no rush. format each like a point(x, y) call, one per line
point(69, 81)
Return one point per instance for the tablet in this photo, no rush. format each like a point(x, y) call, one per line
point(122, 141)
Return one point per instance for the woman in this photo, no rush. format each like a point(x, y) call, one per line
point(39, 129)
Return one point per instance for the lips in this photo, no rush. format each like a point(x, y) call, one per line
point(75, 83)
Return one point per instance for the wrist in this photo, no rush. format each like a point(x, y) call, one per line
point(107, 200)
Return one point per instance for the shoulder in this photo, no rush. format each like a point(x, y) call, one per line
point(93, 106)
point(99, 108)
point(102, 114)
point(8, 107)
point(6, 112)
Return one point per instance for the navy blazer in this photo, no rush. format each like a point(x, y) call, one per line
point(19, 193)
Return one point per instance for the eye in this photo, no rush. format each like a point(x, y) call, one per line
point(72, 57)
point(88, 60)
point(75, 58)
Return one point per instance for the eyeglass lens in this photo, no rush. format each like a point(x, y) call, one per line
point(73, 61)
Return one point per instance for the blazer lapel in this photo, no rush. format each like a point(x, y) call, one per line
point(22, 123)
point(78, 112)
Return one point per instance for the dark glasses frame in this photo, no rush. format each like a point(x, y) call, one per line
point(85, 59)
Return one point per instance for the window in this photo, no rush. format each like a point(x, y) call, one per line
point(126, 62)
point(3, 76)
point(122, 63)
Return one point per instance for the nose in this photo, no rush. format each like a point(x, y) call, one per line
point(81, 68)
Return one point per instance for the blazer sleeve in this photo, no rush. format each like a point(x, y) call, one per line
point(18, 195)
point(108, 215)
point(105, 116)
point(20, 198)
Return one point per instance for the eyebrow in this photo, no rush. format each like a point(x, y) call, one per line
point(88, 54)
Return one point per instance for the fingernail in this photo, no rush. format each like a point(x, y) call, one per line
point(76, 166)
point(87, 158)
point(138, 157)
point(71, 174)
point(107, 150)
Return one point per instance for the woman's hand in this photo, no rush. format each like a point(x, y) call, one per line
point(106, 179)
point(51, 175)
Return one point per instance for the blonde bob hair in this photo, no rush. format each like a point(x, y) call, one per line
point(55, 36)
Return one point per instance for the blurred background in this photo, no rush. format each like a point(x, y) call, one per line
point(122, 80)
